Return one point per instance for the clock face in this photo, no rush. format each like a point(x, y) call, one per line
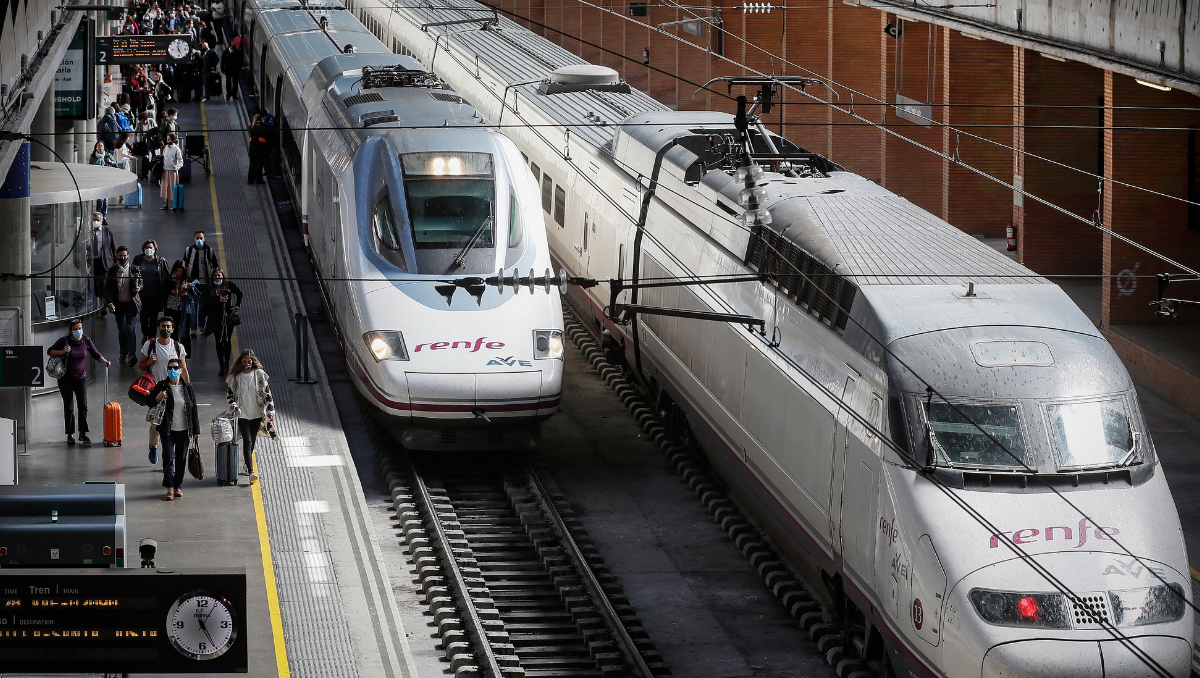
point(202, 625)
point(178, 49)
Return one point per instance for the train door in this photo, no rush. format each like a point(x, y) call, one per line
point(861, 488)
point(841, 440)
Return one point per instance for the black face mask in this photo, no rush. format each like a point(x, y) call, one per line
point(164, 333)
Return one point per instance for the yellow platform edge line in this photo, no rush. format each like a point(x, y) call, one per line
point(260, 512)
point(1195, 574)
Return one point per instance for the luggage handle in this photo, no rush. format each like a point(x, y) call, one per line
point(106, 401)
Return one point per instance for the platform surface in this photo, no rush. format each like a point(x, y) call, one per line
point(320, 599)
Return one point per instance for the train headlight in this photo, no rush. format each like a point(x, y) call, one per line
point(386, 345)
point(547, 344)
point(1154, 605)
point(1006, 608)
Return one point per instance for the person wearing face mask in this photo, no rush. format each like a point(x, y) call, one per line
point(103, 250)
point(172, 159)
point(101, 156)
point(179, 427)
point(221, 298)
point(73, 384)
point(247, 391)
point(155, 358)
point(123, 288)
point(201, 260)
point(154, 286)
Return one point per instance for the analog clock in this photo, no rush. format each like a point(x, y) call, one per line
point(179, 49)
point(202, 625)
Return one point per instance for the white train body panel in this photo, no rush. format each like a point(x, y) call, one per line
point(469, 377)
point(790, 417)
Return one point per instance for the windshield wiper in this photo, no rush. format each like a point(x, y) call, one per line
point(462, 256)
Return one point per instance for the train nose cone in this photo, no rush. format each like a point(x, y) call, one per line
point(1132, 658)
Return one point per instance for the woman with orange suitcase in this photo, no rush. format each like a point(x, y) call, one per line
point(73, 384)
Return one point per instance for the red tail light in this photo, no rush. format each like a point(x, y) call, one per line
point(1027, 607)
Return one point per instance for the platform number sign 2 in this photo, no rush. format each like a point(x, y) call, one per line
point(22, 366)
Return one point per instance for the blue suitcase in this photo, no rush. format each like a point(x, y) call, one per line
point(134, 198)
point(177, 201)
point(227, 463)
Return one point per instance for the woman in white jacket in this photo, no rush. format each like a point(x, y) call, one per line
point(172, 162)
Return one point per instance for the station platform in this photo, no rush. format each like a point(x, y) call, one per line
point(320, 598)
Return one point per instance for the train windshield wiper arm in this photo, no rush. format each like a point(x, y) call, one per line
point(462, 256)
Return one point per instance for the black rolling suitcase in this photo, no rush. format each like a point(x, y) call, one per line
point(227, 463)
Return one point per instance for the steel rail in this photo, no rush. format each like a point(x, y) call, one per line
point(612, 620)
point(457, 579)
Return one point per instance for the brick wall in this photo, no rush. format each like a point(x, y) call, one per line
point(1151, 158)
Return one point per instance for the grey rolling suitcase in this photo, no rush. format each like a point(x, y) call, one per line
point(227, 463)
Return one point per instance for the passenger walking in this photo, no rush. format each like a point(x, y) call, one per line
point(103, 250)
point(154, 358)
point(108, 128)
point(179, 427)
point(73, 384)
point(221, 302)
point(180, 306)
point(100, 156)
point(249, 392)
point(123, 292)
point(154, 273)
point(259, 149)
point(172, 163)
point(201, 260)
point(231, 65)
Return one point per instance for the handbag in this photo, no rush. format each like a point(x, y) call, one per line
point(56, 366)
point(139, 390)
point(174, 302)
point(195, 462)
point(233, 319)
point(223, 430)
point(154, 415)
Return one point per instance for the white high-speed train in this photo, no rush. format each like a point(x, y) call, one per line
point(927, 523)
point(407, 202)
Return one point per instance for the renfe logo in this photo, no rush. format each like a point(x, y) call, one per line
point(471, 346)
point(1030, 534)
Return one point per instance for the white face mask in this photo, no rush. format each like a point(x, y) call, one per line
point(96, 224)
point(149, 251)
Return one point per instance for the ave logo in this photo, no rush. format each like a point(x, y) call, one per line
point(510, 362)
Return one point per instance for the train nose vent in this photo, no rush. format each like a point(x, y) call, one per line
point(449, 437)
point(1091, 611)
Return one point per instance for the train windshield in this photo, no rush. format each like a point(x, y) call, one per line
point(977, 435)
point(1091, 434)
point(451, 200)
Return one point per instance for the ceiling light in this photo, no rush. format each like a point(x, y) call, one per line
point(1154, 85)
point(1052, 56)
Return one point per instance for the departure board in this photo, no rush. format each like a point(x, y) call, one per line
point(123, 621)
point(143, 49)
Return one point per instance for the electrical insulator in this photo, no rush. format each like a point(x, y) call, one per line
point(757, 8)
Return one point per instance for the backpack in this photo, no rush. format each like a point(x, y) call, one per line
point(140, 389)
point(123, 121)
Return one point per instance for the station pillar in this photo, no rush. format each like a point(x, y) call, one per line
point(1149, 142)
point(977, 97)
point(14, 229)
point(43, 129)
point(1057, 115)
point(64, 140)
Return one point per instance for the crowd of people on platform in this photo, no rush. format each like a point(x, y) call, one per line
point(176, 304)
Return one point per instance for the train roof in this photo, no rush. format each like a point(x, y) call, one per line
point(302, 51)
point(283, 20)
point(518, 55)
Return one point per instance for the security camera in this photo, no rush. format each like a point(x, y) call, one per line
point(148, 547)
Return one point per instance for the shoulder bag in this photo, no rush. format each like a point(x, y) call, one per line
point(155, 414)
point(56, 366)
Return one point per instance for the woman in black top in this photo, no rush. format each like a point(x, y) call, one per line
point(221, 298)
point(179, 426)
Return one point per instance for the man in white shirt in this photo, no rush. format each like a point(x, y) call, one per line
point(155, 355)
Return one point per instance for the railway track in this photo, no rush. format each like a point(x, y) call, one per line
point(515, 586)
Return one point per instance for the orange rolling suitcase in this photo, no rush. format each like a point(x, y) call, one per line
point(112, 418)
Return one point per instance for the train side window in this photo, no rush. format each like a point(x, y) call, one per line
point(897, 424)
point(514, 222)
point(560, 206)
point(386, 237)
point(547, 193)
point(537, 172)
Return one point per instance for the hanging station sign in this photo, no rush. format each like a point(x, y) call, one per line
point(75, 79)
point(113, 50)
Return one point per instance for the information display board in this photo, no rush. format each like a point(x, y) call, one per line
point(143, 49)
point(123, 621)
point(22, 366)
